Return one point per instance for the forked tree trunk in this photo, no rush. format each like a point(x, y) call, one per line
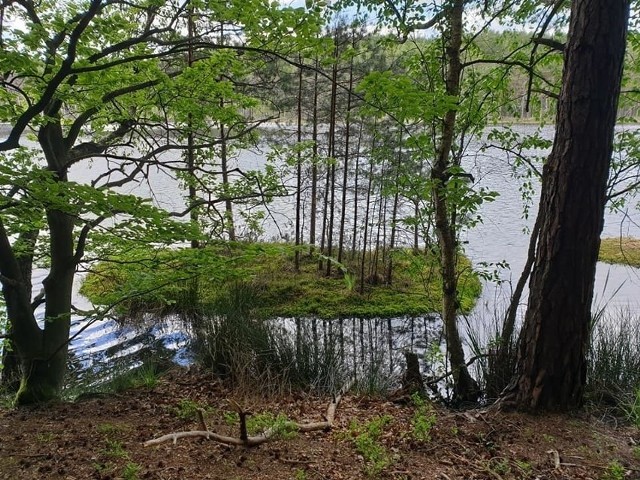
point(43, 350)
point(44, 370)
point(554, 340)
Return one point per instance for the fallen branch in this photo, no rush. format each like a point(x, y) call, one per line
point(253, 441)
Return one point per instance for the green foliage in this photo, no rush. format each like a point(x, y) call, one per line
point(525, 467)
point(45, 437)
point(131, 471)
point(632, 408)
point(279, 424)
point(144, 376)
point(366, 438)
point(423, 420)
point(115, 449)
point(499, 466)
point(614, 471)
point(110, 429)
point(187, 409)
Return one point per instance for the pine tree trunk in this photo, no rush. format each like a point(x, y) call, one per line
point(299, 173)
point(554, 340)
point(314, 166)
point(345, 170)
point(366, 223)
point(356, 185)
point(332, 155)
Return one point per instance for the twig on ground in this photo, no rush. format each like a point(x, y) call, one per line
point(252, 441)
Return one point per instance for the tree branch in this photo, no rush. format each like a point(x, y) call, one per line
point(267, 436)
point(13, 140)
point(549, 42)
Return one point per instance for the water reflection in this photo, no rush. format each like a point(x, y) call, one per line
point(329, 352)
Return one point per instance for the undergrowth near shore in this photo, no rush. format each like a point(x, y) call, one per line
point(185, 281)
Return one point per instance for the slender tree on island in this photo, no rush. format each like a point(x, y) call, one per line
point(551, 367)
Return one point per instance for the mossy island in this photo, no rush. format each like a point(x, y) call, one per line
point(262, 281)
point(620, 251)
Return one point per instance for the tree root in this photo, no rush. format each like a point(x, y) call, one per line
point(252, 441)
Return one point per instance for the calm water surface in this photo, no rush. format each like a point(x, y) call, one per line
point(501, 237)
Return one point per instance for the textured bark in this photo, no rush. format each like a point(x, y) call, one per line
point(299, 173)
point(552, 352)
point(314, 167)
point(42, 351)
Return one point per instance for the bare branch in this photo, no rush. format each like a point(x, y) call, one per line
point(267, 436)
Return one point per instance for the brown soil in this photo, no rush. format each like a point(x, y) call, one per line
point(102, 438)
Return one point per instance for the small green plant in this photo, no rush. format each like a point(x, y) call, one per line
point(366, 438)
point(614, 471)
point(525, 467)
point(500, 466)
point(101, 467)
point(636, 452)
point(130, 471)
point(144, 376)
point(632, 409)
point(147, 376)
point(45, 437)
point(111, 429)
point(115, 449)
point(280, 425)
point(6, 400)
point(423, 419)
point(300, 474)
point(230, 418)
point(187, 409)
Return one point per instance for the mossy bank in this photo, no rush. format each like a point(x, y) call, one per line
point(620, 250)
point(261, 280)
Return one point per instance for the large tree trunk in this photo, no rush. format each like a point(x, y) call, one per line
point(11, 372)
point(43, 373)
point(552, 352)
point(43, 351)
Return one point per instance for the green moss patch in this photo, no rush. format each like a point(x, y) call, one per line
point(620, 250)
point(260, 279)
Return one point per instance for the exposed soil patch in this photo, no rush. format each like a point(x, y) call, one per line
point(102, 438)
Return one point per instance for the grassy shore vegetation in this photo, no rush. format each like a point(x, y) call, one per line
point(620, 250)
point(263, 274)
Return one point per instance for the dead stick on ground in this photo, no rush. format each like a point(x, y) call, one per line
point(253, 441)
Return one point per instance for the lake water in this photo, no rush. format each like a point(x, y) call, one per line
point(501, 237)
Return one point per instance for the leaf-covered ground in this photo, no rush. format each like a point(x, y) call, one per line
point(102, 438)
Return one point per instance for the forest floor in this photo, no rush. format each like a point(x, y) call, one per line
point(102, 438)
